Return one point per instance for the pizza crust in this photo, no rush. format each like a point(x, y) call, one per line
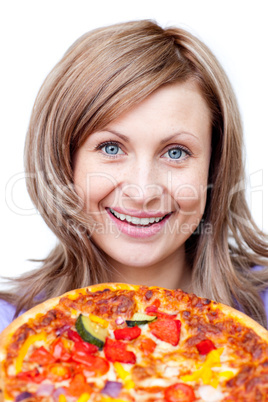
point(244, 320)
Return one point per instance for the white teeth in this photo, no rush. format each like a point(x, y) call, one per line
point(145, 221)
point(134, 220)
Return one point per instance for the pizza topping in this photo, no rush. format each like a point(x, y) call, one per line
point(25, 347)
point(57, 372)
point(210, 394)
point(119, 321)
point(124, 375)
point(147, 346)
point(108, 399)
point(62, 329)
point(59, 351)
point(23, 396)
point(78, 386)
point(179, 392)
point(84, 348)
point(167, 330)
point(153, 310)
point(205, 346)
point(84, 397)
point(91, 331)
point(74, 336)
point(140, 319)
point(42, 356)
point(127, 334)
point(116, 351)
point(94, 364)
point(59, 394)
point(31, 376)
point(205, 372)
point(112, 388)
point(45, 390)
point(103, 323)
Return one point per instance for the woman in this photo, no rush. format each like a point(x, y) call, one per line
point(134, 161)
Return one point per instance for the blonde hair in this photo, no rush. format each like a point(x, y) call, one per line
point(103, 74)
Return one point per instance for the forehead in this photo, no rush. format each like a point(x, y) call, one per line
point(177, 106)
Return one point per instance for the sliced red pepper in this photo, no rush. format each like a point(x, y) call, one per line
point(116, 351)
point(127, 333)
point(153, 310)
point(147, 346)
point(80, 345)
point(85, 348)
point(59, 351)
point(42, 356)
point(167, 330)
point(31, 376)
point(205, 346)
point(74, 336)
point(179, 392)
point(95, 364)
point(78, 386)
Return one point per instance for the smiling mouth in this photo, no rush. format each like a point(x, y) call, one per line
point(140, 222)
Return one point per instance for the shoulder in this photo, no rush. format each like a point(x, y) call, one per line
point(7, 312)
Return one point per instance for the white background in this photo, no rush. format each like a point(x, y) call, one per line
point(35, 34)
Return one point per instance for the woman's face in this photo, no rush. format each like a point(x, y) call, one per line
point(143, 179)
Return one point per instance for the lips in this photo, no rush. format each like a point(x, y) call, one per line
point(138, 221)
point(139, 226)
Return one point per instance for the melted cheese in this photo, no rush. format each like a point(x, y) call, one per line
point(210, 394)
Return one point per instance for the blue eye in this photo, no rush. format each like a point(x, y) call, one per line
point(176, 153)
point(111, 148)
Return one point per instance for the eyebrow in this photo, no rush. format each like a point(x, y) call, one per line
point(175, 135)
point(122, 136)
point(163, 141)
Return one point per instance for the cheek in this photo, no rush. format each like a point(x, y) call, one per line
point(94, 188)
point(191, 195)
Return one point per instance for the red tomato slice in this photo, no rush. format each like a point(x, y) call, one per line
point(167, 330)
point(153, 310)
point(59, 351)
point(57, 372)
point(205, 346)
point(74, 336)
point(147, 346)
point(127, 333)
point(95, 364)
point(179, 392)
point(85, 348)
point(116, 351)
point(42, 356)
point(31, 376)
point(78, 386)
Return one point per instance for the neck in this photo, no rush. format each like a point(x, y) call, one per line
point(171, 273)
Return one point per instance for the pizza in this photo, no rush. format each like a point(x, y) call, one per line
point(124, 343)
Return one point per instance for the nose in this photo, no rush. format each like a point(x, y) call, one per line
point(143, 187)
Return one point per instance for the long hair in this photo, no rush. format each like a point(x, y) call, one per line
point(103, 74)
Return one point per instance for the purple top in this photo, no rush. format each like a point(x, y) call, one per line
point(7, 311)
